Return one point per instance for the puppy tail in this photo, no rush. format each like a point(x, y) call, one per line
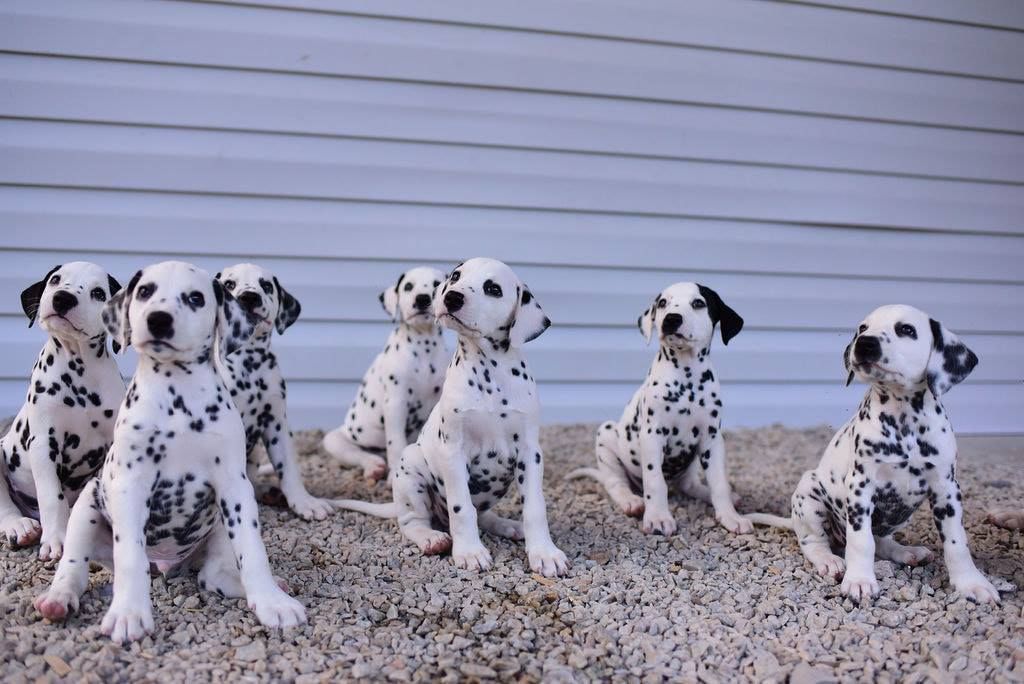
point(379, 510)
point(583, 472)
point(772, 520)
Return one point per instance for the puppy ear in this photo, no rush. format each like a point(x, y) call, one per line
point(31, 295)
point(389, 298)
point(115, 314)
point(235, 325)
point(950, 361)
point(721, 313)
point(288, 308)
point(530, 320)
point(646, 320)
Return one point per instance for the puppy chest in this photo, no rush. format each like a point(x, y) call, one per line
point(182, 511)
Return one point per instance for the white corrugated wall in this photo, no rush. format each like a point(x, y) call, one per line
point(808, 160)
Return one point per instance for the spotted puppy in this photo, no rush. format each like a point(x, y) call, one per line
point(173, 489)
point(403, 382)
point(61, 434)
point(670, 431)
point(483, 434)
point(897, 451)
point(257, 387)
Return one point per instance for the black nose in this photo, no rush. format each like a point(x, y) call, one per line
point(453, 300)
point(868, 349)
point(64, 301)
point(160, 324)
point(422, 301)
point(671, 323)
point(250, 300)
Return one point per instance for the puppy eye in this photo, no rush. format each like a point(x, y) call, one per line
point(267, 287)
point(229, 284)
point(454, 277)
point(99, 294)
point(492, 289)
point(906, 330)
point(662, 303)
point(408, 287)
point(698, 304)
point(862, 328)
point(196, 298)
point(144, 292)
point(55, 280)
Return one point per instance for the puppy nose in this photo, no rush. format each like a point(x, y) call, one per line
point(423, 301)
point(453, 300)
point(671, 323)
point(868, 349)
point(64, 301)
point(160, 324)
point(250, 300)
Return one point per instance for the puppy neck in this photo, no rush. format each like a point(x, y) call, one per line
point(471, 349)
point(421, 331)
point(894, 399)
point(82, 350)
point(677, 359)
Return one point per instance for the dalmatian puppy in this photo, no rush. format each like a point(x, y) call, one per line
point(670, 431)
point(402, 384)
point(897, 451)
point(483, 434)
point(257, 387)
point(59, 437)
point(173, 489)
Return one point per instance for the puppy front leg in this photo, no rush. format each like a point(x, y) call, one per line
point(948, 511)
point(396, 415)
point(657, 517)
point(545, 558)
point(468, 551)
point(130, 615)
point(859, 581)
point(53, 506)
point(721, 493)
point(239, 515)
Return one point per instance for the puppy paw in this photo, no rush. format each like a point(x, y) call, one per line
point(56, 604)
point(737, 524)
point(309, 507)
point(912, 555)
point(1007, 518)
point(20, 531)
point(127, 623)
point(375, 469)
point(830, 566)
point(658, 523)
point(976, 587)
point(548, 561)
point(433, 542)
point(632, 505)
point(51, 547)
point(860, 588)
point(274, 609)
point(471, 556)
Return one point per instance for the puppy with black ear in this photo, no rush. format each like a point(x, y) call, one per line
point(173, 489)
point(257, 386)
point(896, 452)
point(402, 384)
point(60, 436)
point(670, 432)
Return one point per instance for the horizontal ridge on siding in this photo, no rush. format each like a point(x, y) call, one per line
point(295, 42)
point(746, 26)
point(998, 14)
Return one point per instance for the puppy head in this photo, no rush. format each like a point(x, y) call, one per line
point(484, 299)
point(898, 345)
point(260, 294)
point(685, 316)
point(68, 302)
point(173, 311)
point(411, 299)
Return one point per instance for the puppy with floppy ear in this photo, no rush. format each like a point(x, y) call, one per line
point(401, 386)
point(483, 434)
point(670, 431)
point(173, 488)
point(895, 453)
point(59, 437)
point(257, 385)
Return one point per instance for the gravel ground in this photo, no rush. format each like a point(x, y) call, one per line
point(701, 605)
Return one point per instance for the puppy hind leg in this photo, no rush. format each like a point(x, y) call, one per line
point(888, 548)
point(412, 502)
point(350, 455)
point(611, 473)
point(809, 515)
point(19, 530)
point(500, 527)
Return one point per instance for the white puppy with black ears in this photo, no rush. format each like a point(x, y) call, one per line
point(257, 386)
point(484, 432)
point(896, 452)
point(60, 436)
point(670, 431)
point(402, 384)
point(173, 489)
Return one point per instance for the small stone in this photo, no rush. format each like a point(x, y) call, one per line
point(477, 670)
point(251, 652)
